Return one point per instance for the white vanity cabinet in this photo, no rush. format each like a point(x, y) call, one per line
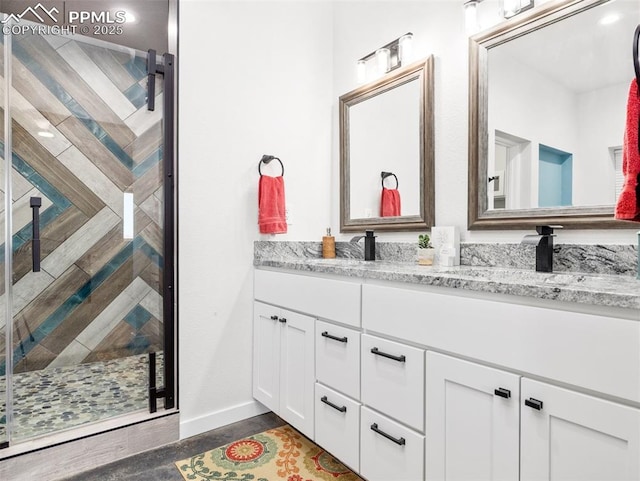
point(283, 364)
point(472, 421)
point(409, 382)
point(569, 435)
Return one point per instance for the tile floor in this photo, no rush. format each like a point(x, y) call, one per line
point(158, 464)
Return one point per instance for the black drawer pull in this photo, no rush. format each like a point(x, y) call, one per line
point(342, 409)
point(329, 336)
point(375, 351)
point(274, 318)
point(533, 403)
point(398, 441)
point(502, 392)
point(283, 319)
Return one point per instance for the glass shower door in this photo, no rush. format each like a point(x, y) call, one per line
point(87, 233)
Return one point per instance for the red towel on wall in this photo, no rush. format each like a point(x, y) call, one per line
point(271, 206)
point(628, 206)
point(389, 203)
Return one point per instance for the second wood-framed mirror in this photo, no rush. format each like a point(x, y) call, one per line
point(387, 148)
point(547, 101)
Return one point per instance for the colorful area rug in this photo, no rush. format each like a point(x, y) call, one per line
point(278, 454)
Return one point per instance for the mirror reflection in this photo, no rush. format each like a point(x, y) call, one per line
point(551, 96)
point(384, 136)
point(386, 152)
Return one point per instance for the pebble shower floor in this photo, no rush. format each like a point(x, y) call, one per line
point(57, 399)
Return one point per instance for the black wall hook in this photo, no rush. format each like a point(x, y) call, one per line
point(384, 175)
point(268, 158)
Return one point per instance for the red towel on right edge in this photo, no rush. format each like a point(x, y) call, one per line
point(271, 206)
point(389, 203)
point(628, 206)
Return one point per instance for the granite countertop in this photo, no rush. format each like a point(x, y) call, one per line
point(619, 291)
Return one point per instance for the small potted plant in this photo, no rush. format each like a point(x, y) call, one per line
point(426, 252)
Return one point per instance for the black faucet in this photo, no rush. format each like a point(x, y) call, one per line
point(544, 246)
point(369, 245)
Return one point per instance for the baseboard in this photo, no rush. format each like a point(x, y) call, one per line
point(216, 419)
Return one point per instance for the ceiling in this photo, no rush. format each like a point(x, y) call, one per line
point(147, 31)
point(579, 52)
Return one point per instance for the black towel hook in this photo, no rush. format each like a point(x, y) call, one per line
point(268, 158)
point(384, 175)
point(636, 59)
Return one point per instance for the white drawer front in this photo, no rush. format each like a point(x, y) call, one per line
point(338, 358)
point(393, 386)
point(596, 352)
point(326, 298)
point(384, 459)
point(338, 426)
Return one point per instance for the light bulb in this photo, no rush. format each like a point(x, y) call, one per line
point(383, 60)
point(470, 17)
point(405, 46)
point(510, 8)
point(362, 71)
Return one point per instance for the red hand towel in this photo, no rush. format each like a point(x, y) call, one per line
point(389, 203)
point(271, 206)
point(628, 206)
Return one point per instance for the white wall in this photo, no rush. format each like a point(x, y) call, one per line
point(531, 106)
point(264, 77)
point(254, 78)
point(601, 127)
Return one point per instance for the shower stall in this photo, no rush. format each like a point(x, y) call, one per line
point(86, 254)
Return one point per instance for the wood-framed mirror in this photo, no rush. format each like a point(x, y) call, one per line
point(387, 150)
point(547, 102)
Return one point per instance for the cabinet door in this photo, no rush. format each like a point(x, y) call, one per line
point(297, 377)
point(577, 437)
point(266, 355)
point(472, 421)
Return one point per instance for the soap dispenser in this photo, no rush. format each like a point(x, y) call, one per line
point(329, 245)
point(369, 246)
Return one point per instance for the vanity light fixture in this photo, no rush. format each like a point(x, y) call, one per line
point(388, 57)
point(471, 16)
point(510, 8)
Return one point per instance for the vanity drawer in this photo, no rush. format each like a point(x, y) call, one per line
point(393, 379)
point(338, 425)
point(596, 352)
point(382, 458)
point(338, 358)
point(331, 299)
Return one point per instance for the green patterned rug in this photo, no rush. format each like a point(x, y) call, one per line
point(277, 454)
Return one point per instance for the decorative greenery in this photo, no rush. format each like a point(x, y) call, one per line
point(424, 241)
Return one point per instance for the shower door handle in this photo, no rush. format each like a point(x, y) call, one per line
point(36, 203)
